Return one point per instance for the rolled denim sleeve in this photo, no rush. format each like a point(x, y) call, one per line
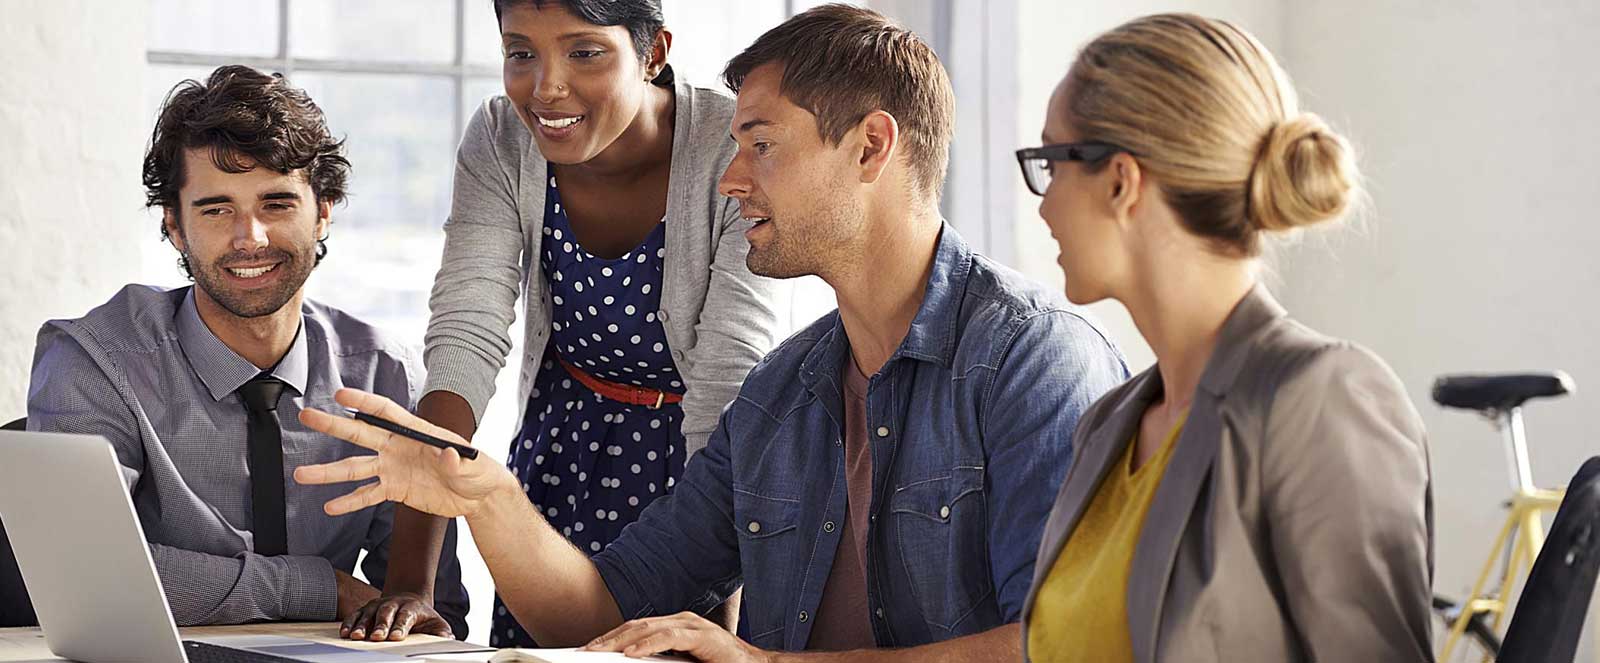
point(683, 552)
point(1055, 367)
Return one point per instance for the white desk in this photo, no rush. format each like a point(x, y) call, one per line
point(18, 645)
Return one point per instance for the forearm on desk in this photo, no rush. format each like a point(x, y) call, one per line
point(206, 589)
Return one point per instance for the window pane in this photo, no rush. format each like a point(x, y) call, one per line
point(707, 33)
point(239, 27)
point(483, 34)
point(382, 30)
point(387, 238)
point(476, 91)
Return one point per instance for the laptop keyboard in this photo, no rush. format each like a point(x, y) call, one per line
point(201, 652)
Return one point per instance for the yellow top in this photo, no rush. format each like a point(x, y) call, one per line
point(1081, 612)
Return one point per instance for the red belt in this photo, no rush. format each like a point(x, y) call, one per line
point(622, 393)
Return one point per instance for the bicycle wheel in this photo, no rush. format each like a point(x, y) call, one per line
point(1478, 643)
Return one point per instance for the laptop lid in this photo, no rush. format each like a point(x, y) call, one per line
point(82, 553)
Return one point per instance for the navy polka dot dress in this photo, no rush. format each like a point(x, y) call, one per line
point(589, 464)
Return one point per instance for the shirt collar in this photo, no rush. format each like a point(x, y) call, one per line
point(1253, 314)
point(932, 336)
point(221, 369)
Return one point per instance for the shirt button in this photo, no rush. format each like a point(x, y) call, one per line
point(662, 314)
point(827, 526)
point(804, 616)
point(878, 612)
point(883, 431)
point(944, 511)
point(677, 354)
point(754, 527)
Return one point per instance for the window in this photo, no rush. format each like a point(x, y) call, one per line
point(399, 79)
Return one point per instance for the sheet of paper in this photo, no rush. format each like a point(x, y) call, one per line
point(474, 657)
point(568, 656)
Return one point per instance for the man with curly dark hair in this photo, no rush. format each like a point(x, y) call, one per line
point(198, 388)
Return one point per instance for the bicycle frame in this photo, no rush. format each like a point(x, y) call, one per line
point(1523, 531)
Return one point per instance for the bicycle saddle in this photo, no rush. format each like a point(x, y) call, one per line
point(1499, 392)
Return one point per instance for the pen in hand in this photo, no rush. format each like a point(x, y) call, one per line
point(467, 453)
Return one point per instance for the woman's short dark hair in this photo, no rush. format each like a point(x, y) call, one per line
point(642, 18)
point(246, 119)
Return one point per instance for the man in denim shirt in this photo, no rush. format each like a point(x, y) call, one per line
point(905, 516)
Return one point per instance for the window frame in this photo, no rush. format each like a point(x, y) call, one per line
point(458, 70)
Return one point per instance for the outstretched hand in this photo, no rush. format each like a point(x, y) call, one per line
point(435, 481)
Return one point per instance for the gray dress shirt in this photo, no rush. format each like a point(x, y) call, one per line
point(143, 371)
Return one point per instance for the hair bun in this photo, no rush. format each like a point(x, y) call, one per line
point(1304, 174)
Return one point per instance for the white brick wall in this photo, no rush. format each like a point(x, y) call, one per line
point(71, 139)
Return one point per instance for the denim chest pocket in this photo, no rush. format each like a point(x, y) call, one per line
point(770, 548)
point(940, 530)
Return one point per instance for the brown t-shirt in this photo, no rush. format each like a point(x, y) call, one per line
point(844, 620)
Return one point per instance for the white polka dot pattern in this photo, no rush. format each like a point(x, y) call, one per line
point(598, 462)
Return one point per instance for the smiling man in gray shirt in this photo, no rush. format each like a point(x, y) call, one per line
point(199, 388)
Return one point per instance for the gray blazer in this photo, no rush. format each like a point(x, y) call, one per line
point(720, 319)
point(1295, 519)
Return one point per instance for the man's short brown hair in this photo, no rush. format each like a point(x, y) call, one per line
point(842, 62)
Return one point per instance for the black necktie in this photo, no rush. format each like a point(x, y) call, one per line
point(260, 397)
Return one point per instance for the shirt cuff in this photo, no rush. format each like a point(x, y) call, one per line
point(313, 590)
point(631, 602)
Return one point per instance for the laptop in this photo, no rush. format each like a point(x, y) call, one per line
point(87, 568)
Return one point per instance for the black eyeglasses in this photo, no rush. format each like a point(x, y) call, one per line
point(1035, 161)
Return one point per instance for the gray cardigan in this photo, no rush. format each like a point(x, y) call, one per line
point(719, 318)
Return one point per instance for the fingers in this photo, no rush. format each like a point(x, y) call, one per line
point(628, 637)
point(383, 620)
point(668, 639)
point(384, 408)
point(355, 500)
point(361, 621)
point(627, 633)
point(354, 468)
point(403, 620)
point(361, 616)
point(345, 428)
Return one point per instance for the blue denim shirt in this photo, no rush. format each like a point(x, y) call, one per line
point(970, 421)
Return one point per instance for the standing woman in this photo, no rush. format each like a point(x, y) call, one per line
point(589, 189)
point(1263, 492)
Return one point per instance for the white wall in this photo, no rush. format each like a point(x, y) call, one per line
point(71, 140)
point(1051, 32)
point(1476, 126)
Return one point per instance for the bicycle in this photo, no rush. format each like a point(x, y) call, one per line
point(1499, 398)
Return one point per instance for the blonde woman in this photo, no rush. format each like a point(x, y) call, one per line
point(1263, 492)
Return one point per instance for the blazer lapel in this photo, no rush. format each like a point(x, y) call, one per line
point(1164, 525)
point(1100, 449)
point(1177, 498)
